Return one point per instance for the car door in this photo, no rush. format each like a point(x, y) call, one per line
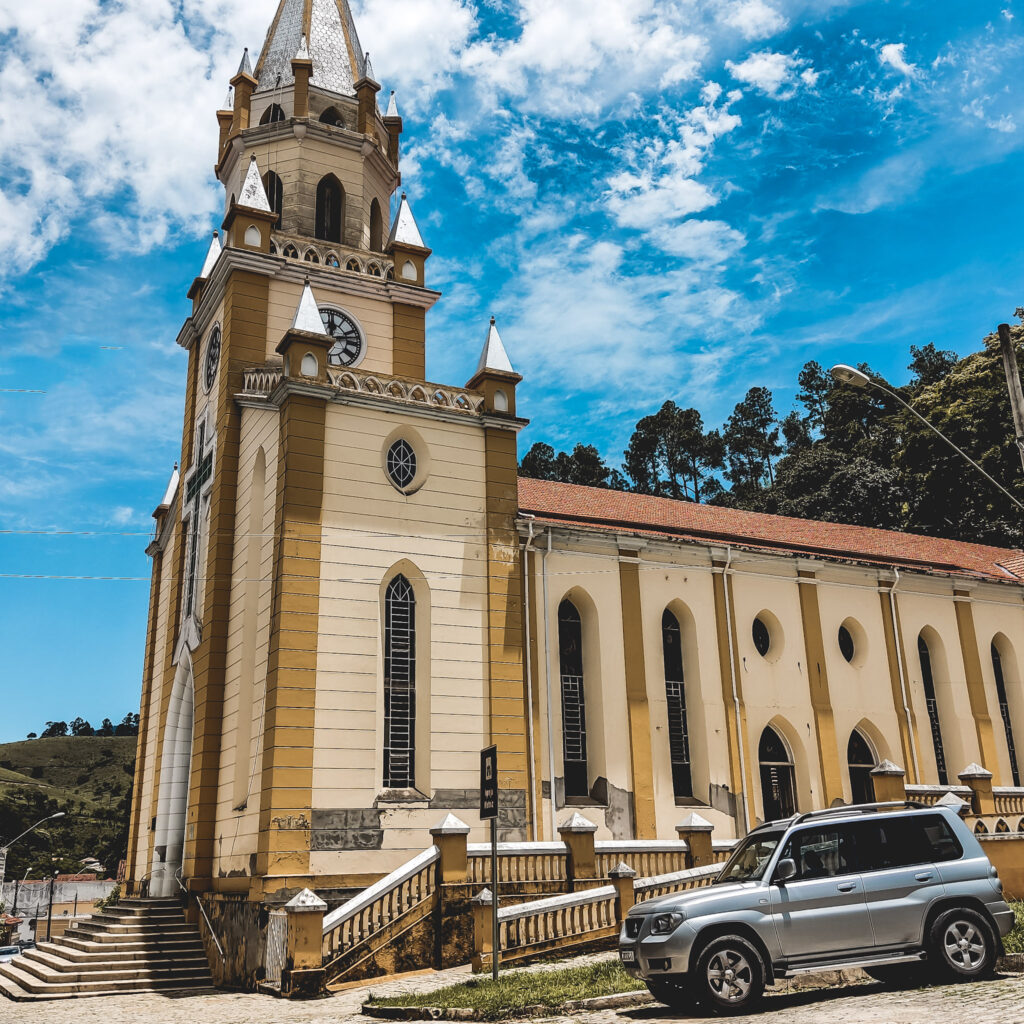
point(900, 877)
point(821, 910)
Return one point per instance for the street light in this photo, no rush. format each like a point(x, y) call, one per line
point(844, 374)
point(4, 849)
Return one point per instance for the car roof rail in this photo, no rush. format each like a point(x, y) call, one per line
point(856, 809)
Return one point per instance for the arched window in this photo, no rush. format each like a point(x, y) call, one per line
point(574, 713)
point(933, 708)
point(778, 790)
point(675, 693)
point(376, 227)
point(275, 193)
point(272, 114)
point(399, 685)
point(332, 116)
point(330, 206)
point(1004, 711)
point(860, 761)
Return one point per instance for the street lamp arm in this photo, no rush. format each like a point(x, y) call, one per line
point(931, 426)
point(7, 846)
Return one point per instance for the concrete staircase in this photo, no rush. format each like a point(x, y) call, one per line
point(137, 945)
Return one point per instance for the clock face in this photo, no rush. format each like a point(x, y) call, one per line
point(348, 342)
point(212, 357)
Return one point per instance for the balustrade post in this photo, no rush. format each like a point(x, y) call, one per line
point(483, 931)
point(453, 928)
point(696, 831)
point(303, 974)
point(581, 859)
point(622, 876)
point(888, 781)
point(983, 800)
point(953, 801)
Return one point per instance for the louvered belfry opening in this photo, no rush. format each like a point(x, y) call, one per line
point(399, 685)
point(933, 709)
point(778, 789)
point(860, 760)
point(675, 693)
point(330, 206)
point(1004, 712)
point(574, 712)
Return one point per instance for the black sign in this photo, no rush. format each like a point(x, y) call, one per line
point(488, 783)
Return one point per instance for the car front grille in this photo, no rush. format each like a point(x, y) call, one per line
point(633, 926)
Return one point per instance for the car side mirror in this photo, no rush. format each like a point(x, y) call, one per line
point(785, 870)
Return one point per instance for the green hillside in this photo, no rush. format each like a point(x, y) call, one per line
point(87, 777)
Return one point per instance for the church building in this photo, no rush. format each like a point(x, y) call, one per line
point(353, 592)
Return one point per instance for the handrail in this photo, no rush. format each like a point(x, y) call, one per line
point(202, 910)
point(361, 901)
point(572, 899)
point(687, 875)
point(514, 849)
point(641, 846)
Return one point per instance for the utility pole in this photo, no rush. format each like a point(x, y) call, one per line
point(49, 909)
point(1013, 383)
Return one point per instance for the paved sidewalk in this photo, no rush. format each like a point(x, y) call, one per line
point(1000, 1001)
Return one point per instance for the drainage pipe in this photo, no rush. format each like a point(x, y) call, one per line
point(547, 688)
point(897, 637)
point(743, 795)
point(531, 768)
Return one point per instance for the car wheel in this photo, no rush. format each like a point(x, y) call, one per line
point(673, 993)
point(729, 975)
point(961, 946)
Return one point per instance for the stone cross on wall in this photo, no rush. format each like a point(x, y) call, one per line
point(196, 485)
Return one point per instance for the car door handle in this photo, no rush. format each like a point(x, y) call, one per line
point(924, 876)
point(847, 886)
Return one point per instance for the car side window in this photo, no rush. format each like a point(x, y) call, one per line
point(903, 842)
point(821, 852)
point(940, 839)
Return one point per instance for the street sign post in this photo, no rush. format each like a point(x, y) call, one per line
point(489, 812)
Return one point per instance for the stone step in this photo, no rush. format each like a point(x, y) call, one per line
point(31, 983)
point(104, 932)
point(12, 990)
point(140, 914)
point(135, 922)
point(76, 951)
point(85, 944)
point(126, 961)
point(116, 973)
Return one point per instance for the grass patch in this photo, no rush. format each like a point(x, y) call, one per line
point(1014, 942)
point(518, 989)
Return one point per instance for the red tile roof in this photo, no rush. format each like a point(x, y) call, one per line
point(618, 510)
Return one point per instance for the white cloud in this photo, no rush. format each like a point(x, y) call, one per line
point(755, 19)
point(774, 74)
point(122, 515)
point(706, 241)
point(894, 54)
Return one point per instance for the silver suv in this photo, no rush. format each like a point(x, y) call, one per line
point(900, 890)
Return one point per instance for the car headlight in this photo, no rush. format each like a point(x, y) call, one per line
point(665, 923)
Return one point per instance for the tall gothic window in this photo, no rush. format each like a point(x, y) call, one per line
point(675, 692)
point(333, 117)
point(275, 193)
point(574, 713)
point(376, 227)
point(272, 114)
point(399, 685)
point(1004, 711)
point(860, 761)
point(778, 789)
point(933, 708)
point(330, 208)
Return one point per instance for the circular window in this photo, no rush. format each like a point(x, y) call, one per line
point(212, 357)
point(401, 464)
point(762, 637)
point(846, 644)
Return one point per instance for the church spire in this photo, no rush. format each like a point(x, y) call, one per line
point(331, 39)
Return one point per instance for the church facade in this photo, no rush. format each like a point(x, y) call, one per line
point(353, 592)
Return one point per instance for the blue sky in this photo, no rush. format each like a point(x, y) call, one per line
point(657, 200)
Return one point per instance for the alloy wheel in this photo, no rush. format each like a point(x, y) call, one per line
point(730, 975)
point(964, 945)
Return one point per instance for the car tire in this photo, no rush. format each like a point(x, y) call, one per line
point(674, 993)
point(728, 977)
point(961, 946)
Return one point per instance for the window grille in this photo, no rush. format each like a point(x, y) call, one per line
point(401, 464)
point(675, 692)
point(574, 712)
point(933, 709)
point(330, 203)
point(1004, 711)
point(778, 790)
point(399, 685)
point(860, 760)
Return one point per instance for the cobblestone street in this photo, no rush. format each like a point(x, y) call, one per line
point(1000, 1001)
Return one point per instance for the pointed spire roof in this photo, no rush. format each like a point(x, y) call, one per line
point(170, 492)
point(253, 193)
point(404, 230)
point(331, 41)
point(392, 106)
point(494, 356)
point(229, 100)
point(367, 67)
point(307, 316)
point(245, 67)
point(211, 255)
point(303, 51)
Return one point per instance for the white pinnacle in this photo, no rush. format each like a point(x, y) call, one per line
point(404, 230)
point(229, 100)
point(211, 256)
point(245, 68)
point(307, 316)
point(392, 106)
point(253, 194)
point(303, 51)
point(494, 356)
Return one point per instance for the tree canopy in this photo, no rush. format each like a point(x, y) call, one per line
point(845, 454)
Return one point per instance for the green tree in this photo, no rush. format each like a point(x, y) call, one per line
point(751, 438)
point(583, 466)
point(815, 387)
point(55, 729)
point(80, 727)
point(929, 364)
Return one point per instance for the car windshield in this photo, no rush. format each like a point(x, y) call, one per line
point(750, 858)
